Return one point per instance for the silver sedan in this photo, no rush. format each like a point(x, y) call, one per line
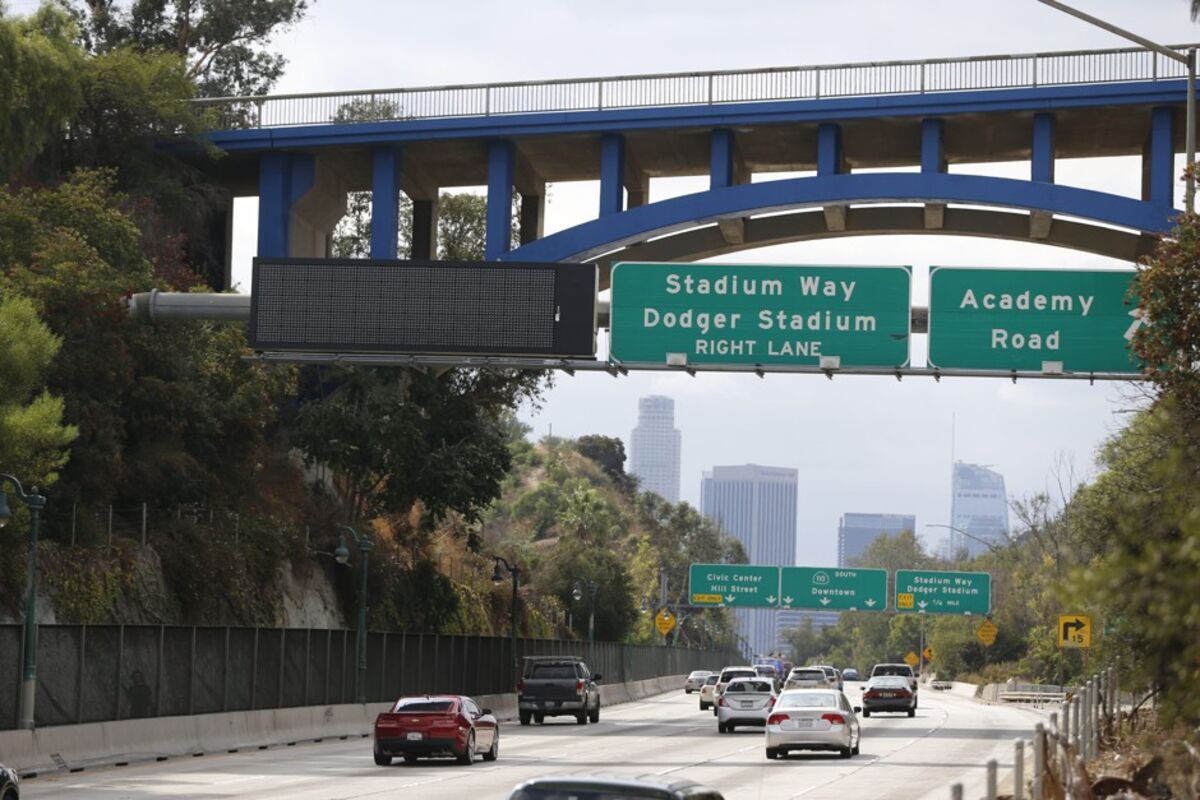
point(813, 719)
point(746, 701)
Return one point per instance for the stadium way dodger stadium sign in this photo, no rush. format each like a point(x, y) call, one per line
point(760, 314)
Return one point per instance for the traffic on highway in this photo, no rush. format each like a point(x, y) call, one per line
point(766, 740)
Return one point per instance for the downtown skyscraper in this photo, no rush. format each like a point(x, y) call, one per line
point(655, 447)
point(757, 506)
point(978, 510)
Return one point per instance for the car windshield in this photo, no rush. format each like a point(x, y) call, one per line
point(808, 700)
point(749, 686)
point(423, 704)
point(552, 671)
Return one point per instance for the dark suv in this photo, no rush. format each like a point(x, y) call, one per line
point(558, 686)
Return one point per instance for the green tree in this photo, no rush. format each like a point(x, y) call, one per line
point(225, 44)
point(39, 85)
point(33, 439)
point(609, 453)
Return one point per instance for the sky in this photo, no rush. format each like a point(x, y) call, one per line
point(860, 444)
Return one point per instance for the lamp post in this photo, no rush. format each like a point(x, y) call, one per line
point(1189, 61)
point(342, 556)
point(515, 572)
point(35, 503)
point(989, 545)
point(577, 593)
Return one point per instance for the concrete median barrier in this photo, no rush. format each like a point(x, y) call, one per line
point(63, 748)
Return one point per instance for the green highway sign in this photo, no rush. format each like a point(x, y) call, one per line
point(1019, 319)
point(739, 585)
point(933, 592)
point(760, 314)
point(833, 588)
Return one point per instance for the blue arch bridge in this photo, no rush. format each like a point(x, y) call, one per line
point(873, 141)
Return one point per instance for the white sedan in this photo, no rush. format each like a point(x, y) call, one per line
point(813, 719)
point(745, 701)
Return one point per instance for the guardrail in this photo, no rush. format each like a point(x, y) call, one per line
point(1061, 748)
point(698, 88)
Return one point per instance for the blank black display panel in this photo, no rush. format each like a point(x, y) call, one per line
point(423, 307)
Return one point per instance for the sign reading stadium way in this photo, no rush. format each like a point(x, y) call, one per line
point(833, 588)
point(760, 315)
point(423, 307)
point(1018, 319)
point(740, 585)
point(930, 592)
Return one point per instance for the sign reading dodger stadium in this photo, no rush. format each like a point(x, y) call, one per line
point(423, 307)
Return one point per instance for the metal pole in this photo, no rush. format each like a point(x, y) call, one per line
point(35, 502)
point(1190, 186)
point(365, 549)
point(516, 663)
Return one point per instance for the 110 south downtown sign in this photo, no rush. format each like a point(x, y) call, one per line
point(760, 314)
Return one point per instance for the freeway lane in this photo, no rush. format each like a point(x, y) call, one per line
point(949, 740)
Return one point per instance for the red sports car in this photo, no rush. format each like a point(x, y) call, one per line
point(436, 725)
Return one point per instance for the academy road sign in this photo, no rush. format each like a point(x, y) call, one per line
point(1074, 630)
point(830, 588)
point(760, 315)
point(1043, 320)
point(738, 585)
point(934, 592)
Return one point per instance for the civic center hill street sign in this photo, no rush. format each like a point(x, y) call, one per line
point(740, 585)
point(760, 314)
point(1019, 319)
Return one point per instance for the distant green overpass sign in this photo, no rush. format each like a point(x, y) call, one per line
point(760, 315)
point(1031, 319)
point(738, 585)
point(833, 588)
point(938, 592)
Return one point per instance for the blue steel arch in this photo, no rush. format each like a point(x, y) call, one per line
point(611, 231)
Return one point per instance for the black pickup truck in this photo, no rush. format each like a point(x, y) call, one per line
point(558, 686)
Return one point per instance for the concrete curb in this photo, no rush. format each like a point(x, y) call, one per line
point(74, 748)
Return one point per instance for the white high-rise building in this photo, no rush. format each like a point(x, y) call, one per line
point(756, 505)
point(655, 447)
point(979, 507)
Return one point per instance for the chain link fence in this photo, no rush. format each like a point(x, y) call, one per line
point(96, 673)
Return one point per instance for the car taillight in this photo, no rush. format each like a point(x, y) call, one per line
point(834, 719)
point(578, 687)
point(771, 703)
point(520, 687)
point(777, 719)
point(721, 702)
point(872, 694)
point(904, 693)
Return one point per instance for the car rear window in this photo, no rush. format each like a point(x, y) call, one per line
point(893, 669)
point(552, 671)
point(890, 680)
point(423, 704)
point(807, 700)
point(729, 675)
point(749, 686)
point(807, 675)
point(711, 680)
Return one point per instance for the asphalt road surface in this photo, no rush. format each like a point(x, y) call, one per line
point(949, 741)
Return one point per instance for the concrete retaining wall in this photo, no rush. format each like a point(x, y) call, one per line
point(74, 747)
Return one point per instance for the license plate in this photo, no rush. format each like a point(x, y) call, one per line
point(414, 736)
point(747, 704)
point(887, 694)
point(804, 723)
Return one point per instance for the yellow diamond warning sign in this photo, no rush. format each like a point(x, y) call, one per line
point(664, 620)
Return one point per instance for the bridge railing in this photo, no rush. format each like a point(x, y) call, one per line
point(698, 88)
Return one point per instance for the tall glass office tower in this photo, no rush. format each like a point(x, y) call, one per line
point(655, 447)
point(979, 507)
point(757, 505)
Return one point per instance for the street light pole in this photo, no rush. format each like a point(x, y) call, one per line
point(989, 545)
point(577, 593)
point(342, 555)
point(35, 503)
point(1189, 60)
point(496, 578)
